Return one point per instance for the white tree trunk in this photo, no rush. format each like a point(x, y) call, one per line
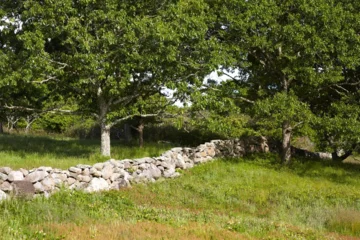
point(105, 140)
point(286, 142)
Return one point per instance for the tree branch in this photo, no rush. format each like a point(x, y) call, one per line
point(131, 116)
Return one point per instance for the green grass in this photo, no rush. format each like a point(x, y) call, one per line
point(22, 151)
point(252, 198)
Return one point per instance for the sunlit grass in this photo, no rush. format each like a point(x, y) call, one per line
point(227, 199)
point(21, 151)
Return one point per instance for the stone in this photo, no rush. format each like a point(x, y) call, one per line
point(46, 169)
point(24, 171)
point(83, 166)
point(48, 184)
point(124, 183)
point(36, 176)
point(15, 176)
point(23, 188)
point(6, 187)
point(83, 178)
point(143, 166)
point(3, 196)
point(70, 181)
point(107, 171)
point(97, 184)
point(75, 170)
point(86, 172)
point(95, 172)
point(3, 176)
point(5, 170)
point(169, 172)
point(176, 174)
point(60, 176)
point(78, 185)
point(73, 175)
point(180, 163)
point(155, 172)
point(98, 166)
point(114, 162)
point(39, 188)
point(115, 176)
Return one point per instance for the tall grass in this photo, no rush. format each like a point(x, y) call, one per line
point(22, 151)
point(226, 199)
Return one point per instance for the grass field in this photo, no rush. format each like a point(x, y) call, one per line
point(250, 198)
point(22, 151)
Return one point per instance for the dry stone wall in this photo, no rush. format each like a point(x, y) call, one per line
point(116, 174)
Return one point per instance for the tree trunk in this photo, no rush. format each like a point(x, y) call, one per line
point(322, 155)
point(141, 133)
point(286, 142)
point(105, 129)
point(1, 128)
point(105, 140)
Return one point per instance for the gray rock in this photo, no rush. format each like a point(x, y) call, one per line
point(97, 184)
point(3, 196)
point(74, 175)
point(86, 172)
point(124, 183)
point(46, 169)
point(6, 187)
point(155, 172)
point(107, 171)
point(24, 171)
point(115, 176)
point(95, 172)
point(98, 166)
point(3, 176)
point(15, 176)
point(70, 181)
point(39, 188)
point(169, 172)
point(78, 185)
point(23, 188)
point(36, 176)
point(75, 170)
point(143, 166)
point(60, 176)
point(83, 166)
point(83, 178)
point(5, 170)
point(48, 184)
point(176, 174)
point(180, 163)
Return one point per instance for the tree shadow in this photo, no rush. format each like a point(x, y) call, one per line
point(26, 144)
point(337, 172)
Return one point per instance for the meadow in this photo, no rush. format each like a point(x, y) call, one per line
point(57, 151)
point(248, 198)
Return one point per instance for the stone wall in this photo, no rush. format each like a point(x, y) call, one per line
point(116, 174)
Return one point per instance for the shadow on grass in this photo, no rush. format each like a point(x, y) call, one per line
point(22, 145)
point(25, 144)
point(338, 172)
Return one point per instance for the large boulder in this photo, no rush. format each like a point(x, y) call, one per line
point(15, 176)
point(97, 184)
point(36, 176)
point(23, 188)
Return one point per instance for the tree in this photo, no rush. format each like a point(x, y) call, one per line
point(109, 55)
point(290, 54)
